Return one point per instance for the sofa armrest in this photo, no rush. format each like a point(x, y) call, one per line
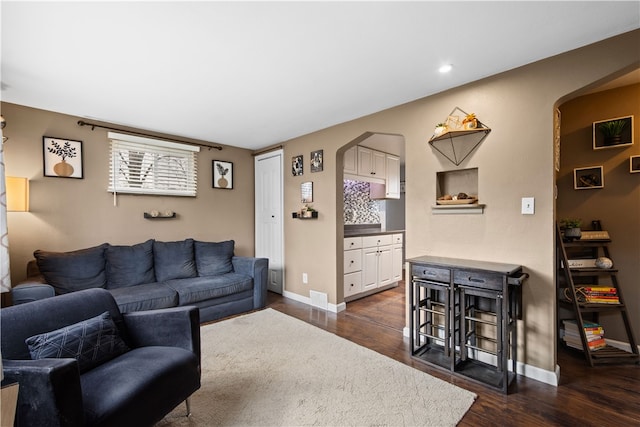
point(171, 327)
point(31, 290)
point(258, 268)
point(49, 391)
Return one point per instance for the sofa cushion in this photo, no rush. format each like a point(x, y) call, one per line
point(208, 287)
point(75, 270)
point(91, 342)
point(130, 265)
point(174, 260)
point(148, 296)
point(213, 258)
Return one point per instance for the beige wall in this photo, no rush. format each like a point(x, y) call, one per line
point(617, 205)
point(69, 214)
point(515, 161)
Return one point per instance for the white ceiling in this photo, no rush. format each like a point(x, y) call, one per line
point(253, 74)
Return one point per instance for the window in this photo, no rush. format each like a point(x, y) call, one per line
point(149, 166)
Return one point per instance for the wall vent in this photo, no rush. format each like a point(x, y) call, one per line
point(319, 299)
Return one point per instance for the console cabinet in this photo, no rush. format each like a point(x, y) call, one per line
point(463, 317)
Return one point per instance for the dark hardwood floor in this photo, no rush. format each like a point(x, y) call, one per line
point(599, 396)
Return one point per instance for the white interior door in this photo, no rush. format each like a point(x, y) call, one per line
point(269, 240)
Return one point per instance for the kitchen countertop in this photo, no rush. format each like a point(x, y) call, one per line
point(367, 230)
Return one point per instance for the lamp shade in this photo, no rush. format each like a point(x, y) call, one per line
point(17, 194)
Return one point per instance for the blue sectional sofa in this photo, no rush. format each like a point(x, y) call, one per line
point(154, 275)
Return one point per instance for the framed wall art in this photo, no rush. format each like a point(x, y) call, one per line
point(306, 192)
point(62, 158)
point(222, 174)
point(634, 164)
point(317, 161)
point(296, 165)
point(588, 178)
point(613, 133)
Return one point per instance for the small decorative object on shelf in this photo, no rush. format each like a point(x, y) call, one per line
point(604, 262)
point(157, 215)
point(470, 122)
point(571, 228)
point(440, 129)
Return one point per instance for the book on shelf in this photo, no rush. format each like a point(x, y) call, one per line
point(594, 333)
point(606, 289)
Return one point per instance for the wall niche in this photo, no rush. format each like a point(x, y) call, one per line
point(457, 192)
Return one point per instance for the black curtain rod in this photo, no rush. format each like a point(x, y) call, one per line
point(94, 125)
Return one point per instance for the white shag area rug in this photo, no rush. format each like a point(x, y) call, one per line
point(270, 369)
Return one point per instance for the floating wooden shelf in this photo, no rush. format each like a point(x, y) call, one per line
point(457, 144)
point(314, 215)
point(161, 216)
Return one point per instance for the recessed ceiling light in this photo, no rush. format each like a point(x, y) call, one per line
point(445, 68)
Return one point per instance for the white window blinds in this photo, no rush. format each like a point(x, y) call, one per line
point(148, 166)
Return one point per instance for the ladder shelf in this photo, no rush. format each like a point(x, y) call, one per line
point(573, 285)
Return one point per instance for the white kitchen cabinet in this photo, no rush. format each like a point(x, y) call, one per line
point(371, 163)
point(352, 266)
point(377, 261)
point(371, 262)
point(350, 161)
point(391, 187)
point(392, 176)
point(398, 255)
point(352, 284)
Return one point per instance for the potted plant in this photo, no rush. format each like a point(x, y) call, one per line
point(612, 131)
point(307, 212)
point(440, 129)
point(572, 228)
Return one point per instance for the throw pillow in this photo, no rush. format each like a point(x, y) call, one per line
point(174, 260)
point(213, 258)
point(75, 270)
point(91, 342)
point(130, 265)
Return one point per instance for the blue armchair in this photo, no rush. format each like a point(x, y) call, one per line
point(80, 362)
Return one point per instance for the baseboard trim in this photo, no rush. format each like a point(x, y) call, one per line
point(620, 344)
point(333, 308)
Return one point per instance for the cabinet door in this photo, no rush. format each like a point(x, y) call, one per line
point(369, 268)
point(365, 161)
point(397, 263)
point(350, 162)
point(385, 265)
point(379, 164)
point(393, 177)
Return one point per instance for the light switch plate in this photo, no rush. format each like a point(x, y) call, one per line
point(528, 206)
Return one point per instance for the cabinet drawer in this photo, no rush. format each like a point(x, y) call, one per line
point(478, 279)
point(352, 243)
point(378, 240)
point(352, 284)
point(352, 261)
point(431, 273)
point(397, 239)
